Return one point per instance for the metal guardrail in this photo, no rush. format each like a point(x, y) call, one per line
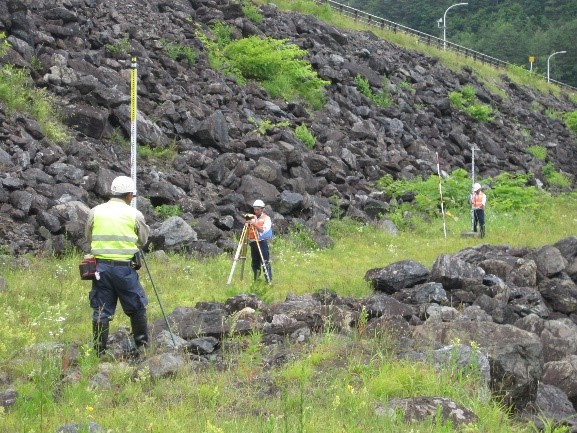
point(425, 38)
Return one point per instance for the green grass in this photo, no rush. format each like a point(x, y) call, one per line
point(571, 120)
point(466, 101)
point(305, 136)
point(166, 154)
point(166, 211)
point(18, 95)
point(538, 152)
point(251, 12)
point(120, 48)
point(178, 51)
point(381, 98)
point(333, 384)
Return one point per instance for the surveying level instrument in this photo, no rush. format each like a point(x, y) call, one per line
point(243, 247)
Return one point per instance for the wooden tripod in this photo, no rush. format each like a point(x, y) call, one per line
point(241, 252)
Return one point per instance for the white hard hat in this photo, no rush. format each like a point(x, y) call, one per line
point(122, 185)
point(258, 203)
point(476, 187)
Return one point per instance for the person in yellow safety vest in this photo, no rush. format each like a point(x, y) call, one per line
point(116, 231)
point(478, 201)
point(260, 229)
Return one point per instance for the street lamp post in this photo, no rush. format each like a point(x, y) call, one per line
point(549, 58)
point(444, 21)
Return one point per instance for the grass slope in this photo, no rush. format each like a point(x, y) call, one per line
point(331, 383)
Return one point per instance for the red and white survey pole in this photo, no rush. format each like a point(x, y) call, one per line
point(133, 111)
point(472, 185)
point(441, 194)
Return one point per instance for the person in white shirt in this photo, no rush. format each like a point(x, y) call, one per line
point(260, 230)
point(478, 201)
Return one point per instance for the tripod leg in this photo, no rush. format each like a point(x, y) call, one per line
point(237, 254)
point(264, 246)
point(243, 257)
point(262, 262)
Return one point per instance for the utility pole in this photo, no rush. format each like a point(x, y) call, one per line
point(445, 24)
point(549, 58)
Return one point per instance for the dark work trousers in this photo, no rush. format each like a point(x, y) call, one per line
point(256, 262)
point(479, 217)
point(116, 283)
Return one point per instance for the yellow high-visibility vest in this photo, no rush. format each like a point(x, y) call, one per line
point(113, 231)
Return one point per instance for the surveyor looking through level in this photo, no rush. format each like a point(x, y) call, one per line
point(263, 225)
point(478, 201)
point(115, 231)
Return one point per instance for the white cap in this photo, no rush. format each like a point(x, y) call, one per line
point(122, 185)
point(476, 187)
point(258, 203)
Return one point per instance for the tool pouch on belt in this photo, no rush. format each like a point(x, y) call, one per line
point(88, 268)
point(136, 261)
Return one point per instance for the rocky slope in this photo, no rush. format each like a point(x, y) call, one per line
point(223, 163)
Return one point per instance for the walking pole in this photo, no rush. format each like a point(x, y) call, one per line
point(238, 252)
point(441, 194)
point(157, 297)
point(263, 264)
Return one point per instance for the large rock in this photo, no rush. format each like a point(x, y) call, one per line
point(549, 260)
point(434, 409)
point(559, 337)
point(515, 356)
point(563, 375)
point(399, 275)
point(551, 405)
point(560, 294)
point(174, 234)
point(454, 273)
point(90, 121)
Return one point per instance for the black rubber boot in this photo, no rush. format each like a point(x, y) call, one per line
point(100, 332)
point(139, 325)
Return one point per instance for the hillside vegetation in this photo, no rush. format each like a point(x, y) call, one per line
point(510, 30)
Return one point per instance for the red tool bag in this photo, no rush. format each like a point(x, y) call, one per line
point(88, 268)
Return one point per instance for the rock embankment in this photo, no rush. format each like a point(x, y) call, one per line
point(78, 52)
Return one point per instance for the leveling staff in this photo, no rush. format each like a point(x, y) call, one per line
point(263, 225)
